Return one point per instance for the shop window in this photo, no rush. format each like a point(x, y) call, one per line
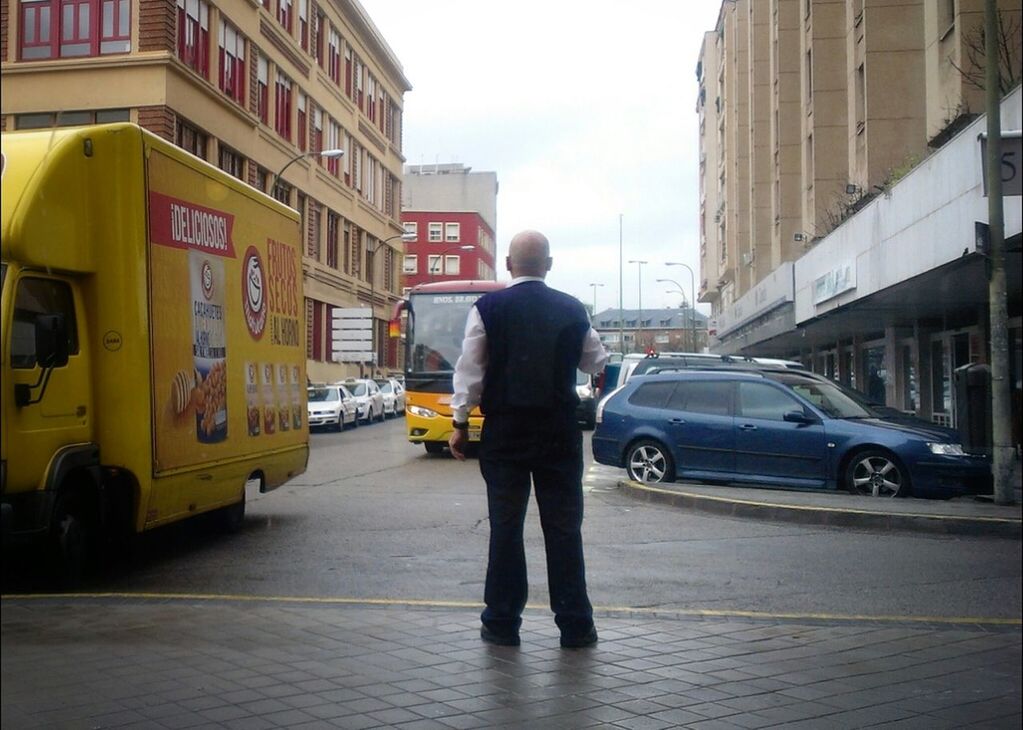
point(231, 162)
point(48, 120)
point(191, 139)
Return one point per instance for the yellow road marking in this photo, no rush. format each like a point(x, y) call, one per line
point(627, 610)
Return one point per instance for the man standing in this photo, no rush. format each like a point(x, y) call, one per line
point(520, 353)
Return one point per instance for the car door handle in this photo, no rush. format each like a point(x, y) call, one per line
point(676, 420)
point(747, 427)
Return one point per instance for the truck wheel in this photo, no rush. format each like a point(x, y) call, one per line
point(70, 542)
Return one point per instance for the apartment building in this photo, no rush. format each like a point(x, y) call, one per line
point(841, 190)
point(259, 88)
point(641, 330)
point(449, 214)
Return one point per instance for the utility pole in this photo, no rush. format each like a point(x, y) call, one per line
point(621, 286)
point(1001, 408)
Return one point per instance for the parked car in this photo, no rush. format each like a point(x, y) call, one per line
point(331, 406)
point(776, 427)
point(586, 411)
point(368, 397)
point(394, 396)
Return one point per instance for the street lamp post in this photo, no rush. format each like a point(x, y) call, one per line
point(687, 316)
point(639, 268)
point(685, 302)
point(371, 251)
point(595, 297)
point(692, 299)
point(329, 154)
point(440, 257)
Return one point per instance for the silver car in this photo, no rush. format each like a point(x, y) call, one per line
point(331, 406)
point(368, 397)
point(394, 396)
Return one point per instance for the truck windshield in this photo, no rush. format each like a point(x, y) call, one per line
point(323, 395)
point(437, 326)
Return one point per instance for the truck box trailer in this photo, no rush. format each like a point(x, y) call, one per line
point(153, 356)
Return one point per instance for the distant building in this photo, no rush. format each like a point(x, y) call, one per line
point(663, 330)
point(450, 215)
point(255, 87)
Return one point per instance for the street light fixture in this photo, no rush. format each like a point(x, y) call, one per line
point(692, 299)
point(685, 304)
point(371, 250)
point(329, 154)
point(440, 256)
point(639, 268)
point(687, 316)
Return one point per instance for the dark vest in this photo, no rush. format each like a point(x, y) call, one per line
point(534, 342)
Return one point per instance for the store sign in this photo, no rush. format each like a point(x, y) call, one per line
point(840, 279)
point(1012, 159)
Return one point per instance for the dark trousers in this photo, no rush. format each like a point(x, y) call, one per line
point(548, 453)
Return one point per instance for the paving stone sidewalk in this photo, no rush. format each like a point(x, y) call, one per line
point(149, 662)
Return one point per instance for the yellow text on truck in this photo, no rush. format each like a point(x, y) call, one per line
point(151, 321)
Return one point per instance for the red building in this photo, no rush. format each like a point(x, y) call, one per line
point(449, 214)
point(447, 246)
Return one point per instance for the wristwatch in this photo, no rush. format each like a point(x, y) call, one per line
point(460, 426)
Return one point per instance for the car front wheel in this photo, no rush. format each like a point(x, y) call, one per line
point(649, 462)
point(875, 473)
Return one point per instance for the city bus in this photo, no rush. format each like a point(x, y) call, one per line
point(434, 327)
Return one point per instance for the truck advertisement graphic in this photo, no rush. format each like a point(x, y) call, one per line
point(226, 295)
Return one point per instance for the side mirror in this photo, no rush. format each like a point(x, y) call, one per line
point(798, 417)
point(51, 352)
point(51, 341)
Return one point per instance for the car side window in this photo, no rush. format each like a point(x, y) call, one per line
point(759, 400)
point(709, 397)
point(652, 395)
point(36, 297)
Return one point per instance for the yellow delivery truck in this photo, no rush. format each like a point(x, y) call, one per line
point(153, 356)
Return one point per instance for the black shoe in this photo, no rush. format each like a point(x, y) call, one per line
point(492, 637)
point(579, 642)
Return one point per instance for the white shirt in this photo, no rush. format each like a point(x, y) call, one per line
point(467, 380)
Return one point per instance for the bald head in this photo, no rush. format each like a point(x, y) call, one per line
point(529, 254)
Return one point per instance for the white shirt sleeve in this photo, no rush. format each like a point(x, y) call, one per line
point(467, 381)
point(594, 355)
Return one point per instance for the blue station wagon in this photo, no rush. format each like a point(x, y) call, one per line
point(776, 428)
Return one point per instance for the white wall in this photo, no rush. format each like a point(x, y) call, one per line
point(924, 221)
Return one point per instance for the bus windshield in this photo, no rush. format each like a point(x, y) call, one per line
point(436, 328)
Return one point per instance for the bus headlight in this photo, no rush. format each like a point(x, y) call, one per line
point(421, 412)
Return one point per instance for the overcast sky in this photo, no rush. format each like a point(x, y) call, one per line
point(585, 109)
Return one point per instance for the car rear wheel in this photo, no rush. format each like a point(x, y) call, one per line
point(875, 473)
point(649, 462)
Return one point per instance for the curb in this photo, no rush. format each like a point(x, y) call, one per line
point(974, 526)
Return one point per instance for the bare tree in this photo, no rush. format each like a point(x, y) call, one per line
point(1008, 44)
